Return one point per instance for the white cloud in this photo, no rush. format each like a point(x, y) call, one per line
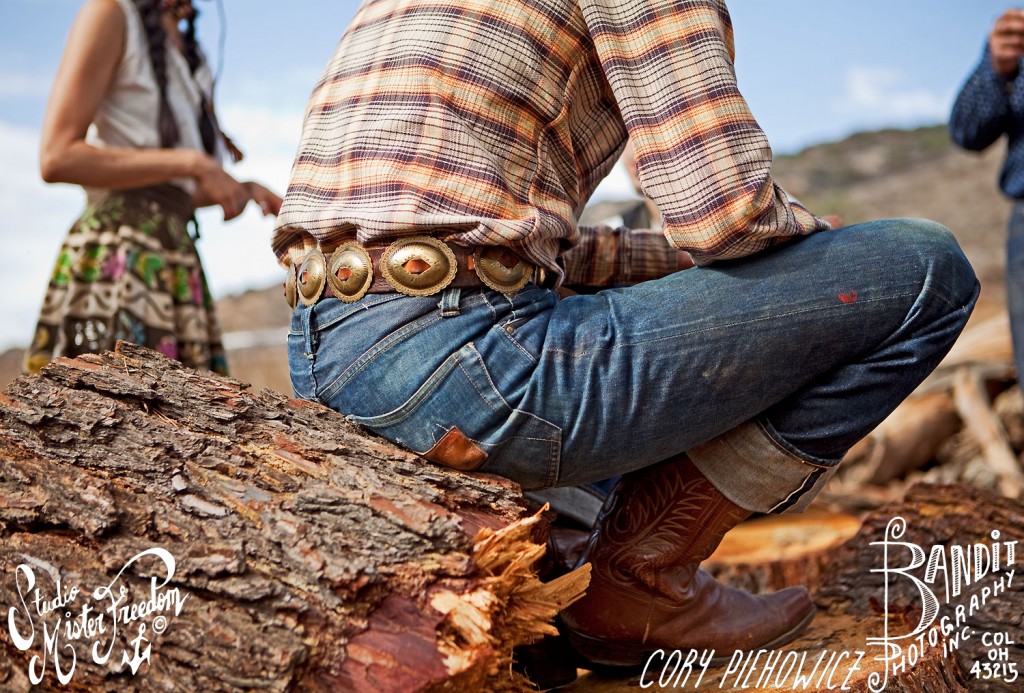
point(617, 185)
point(269, 139)
point(886, 96)
point(22, 85)
point(292, 86)
point(237, 255)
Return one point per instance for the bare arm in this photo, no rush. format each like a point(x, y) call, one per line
point(94, 49)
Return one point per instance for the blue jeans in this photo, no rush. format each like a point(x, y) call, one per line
point(763, 370)
point(1015, 284)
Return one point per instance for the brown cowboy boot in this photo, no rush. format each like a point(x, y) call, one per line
point(565, 548)
point(646, 589)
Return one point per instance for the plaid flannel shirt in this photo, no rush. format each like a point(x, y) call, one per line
point(490, 122)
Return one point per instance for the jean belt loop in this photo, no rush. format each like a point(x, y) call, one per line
point(306, 316)
point(449, 303)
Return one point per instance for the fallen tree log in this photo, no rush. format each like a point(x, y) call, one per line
point(945, 523)
point(261, 543)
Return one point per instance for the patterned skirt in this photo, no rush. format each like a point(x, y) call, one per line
point(129, 270)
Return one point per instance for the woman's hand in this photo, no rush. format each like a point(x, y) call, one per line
point(268, 201)
point(217, 187)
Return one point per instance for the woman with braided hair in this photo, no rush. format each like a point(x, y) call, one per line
point(130, 119)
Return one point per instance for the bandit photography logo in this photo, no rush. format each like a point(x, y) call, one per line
point(950, 585)
point(53, 618)
point(947, 572)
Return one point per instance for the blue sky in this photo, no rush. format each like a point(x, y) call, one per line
point(812, 71)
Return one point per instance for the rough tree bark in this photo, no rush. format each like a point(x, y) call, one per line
point(310, 556)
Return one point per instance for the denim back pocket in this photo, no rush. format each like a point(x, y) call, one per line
point(458, 418)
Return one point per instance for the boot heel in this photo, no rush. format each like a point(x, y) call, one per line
point(608, 653)
point(550, 663)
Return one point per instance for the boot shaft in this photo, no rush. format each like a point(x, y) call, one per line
point(658, 525)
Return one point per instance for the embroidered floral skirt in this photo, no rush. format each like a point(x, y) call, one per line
point(129, 270)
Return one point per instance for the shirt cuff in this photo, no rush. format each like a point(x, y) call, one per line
point(988, 72)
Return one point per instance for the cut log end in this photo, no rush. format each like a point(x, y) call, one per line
point(774, 552)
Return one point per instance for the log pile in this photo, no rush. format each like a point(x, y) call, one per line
point(277, 547)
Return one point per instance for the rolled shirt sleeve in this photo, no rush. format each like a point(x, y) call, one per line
point(700, 154)
point(608, 256)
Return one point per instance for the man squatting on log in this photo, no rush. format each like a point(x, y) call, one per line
point(446, 156)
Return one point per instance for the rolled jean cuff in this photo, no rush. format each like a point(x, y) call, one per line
point(758, 473)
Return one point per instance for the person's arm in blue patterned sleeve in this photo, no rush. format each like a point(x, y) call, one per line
point(982, 110)
point(992, 101)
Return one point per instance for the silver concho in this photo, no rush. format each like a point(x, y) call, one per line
point(311, 277)
point(350, 273)
point(490, 263)
point(290, 292)
point(418, 265)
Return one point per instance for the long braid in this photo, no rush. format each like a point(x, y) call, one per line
point(209, 128)
point(156, 38)
point(191, 45)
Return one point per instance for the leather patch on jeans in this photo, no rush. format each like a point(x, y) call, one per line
point(457, 451)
